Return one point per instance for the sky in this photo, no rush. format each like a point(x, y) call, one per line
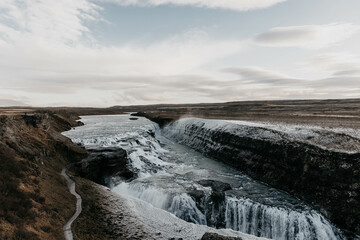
point(123, 52)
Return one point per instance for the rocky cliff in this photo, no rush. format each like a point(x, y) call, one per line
point(105, 166)
point(318, 167)
point(34, 199)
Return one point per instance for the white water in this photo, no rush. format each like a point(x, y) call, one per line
point(184, 207)
point(247, 216)
point(167, 171)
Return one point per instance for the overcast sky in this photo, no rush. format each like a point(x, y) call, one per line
point(122, 52)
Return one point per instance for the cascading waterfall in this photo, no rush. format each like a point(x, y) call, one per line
point(184, 207)
point(169, 174)
point(151, 195)
point(244, 214)
point(276, 223)
point(241, 214)
point(181, 205)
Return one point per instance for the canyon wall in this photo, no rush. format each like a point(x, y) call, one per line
point(321, 168)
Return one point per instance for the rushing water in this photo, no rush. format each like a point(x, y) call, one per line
point(169, 177)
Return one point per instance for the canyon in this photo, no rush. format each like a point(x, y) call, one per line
point(305, 162)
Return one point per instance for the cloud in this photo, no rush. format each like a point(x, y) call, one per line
point(307, 36)
point(11, 103)
point(48, 57)
point(257, 75)
point(47, 54)
point(28, 60)
point(337, 64)
point(259, 83)
point(237, 5)
point(42, 20)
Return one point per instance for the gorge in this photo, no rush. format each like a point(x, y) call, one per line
point(201, 190)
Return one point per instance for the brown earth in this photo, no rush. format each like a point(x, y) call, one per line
point(34, 199)
point(331, 112)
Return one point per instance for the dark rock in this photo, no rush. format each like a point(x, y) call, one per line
point(215, 236)
point(103, 165)
point(218, 190)
point(197, 195)
point(215, 185)
point(33, 120)
point(214, 205)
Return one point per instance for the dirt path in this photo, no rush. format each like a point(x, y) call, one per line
point(71, 185)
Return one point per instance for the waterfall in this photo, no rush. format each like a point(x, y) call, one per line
point(152, 195)
point(276, 223)
point(184, 207)
point(171, 177)
point(241, 214)
point(181, 205)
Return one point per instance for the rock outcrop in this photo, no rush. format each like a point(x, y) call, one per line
point(215, 236)
point(105, 166)
point(213, 206)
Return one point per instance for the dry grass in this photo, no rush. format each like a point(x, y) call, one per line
point(34, 199)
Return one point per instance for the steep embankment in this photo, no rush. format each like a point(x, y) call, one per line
point(319, 167)
point(34, 200)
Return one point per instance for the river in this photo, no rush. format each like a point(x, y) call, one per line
point(198, 189)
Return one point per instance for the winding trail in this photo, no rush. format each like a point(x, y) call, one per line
point(71, 185)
